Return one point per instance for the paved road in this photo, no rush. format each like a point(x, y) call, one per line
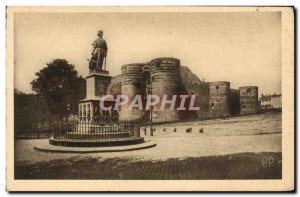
point(234, 166)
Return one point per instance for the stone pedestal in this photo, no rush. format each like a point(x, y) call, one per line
point(96, 84)
point(96, 87)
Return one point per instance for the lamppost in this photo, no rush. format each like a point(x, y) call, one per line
point(149, 87)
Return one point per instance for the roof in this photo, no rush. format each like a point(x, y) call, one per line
point(269, 97)
point(265, 98)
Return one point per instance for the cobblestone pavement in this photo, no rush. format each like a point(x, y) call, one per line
point(234, 166)
point(234, 153)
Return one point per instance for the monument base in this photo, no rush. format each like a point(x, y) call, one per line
point(97, 143)
point(46, 147)
point(99, 71)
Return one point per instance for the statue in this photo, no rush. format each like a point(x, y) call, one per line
point(99, 53)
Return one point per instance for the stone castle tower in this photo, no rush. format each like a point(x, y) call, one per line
point(248, 100)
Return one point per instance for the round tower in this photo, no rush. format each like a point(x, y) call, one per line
point(166, 80)
point(133, 83)
point(219, 99)
point(248, 100)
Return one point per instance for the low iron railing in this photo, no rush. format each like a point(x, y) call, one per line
point(82, 130)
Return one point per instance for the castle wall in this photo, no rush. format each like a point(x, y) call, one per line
point(203, 97)
point(166, 80)
point(219, 99)
point(248, 100)
point(168, 77)
point(234, 101)
point(114, 87)
point(133, 83)
point(195, 86)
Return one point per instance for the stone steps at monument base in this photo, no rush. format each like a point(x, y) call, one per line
point(96, 143)
point(96, 135)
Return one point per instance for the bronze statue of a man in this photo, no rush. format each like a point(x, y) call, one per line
point(99, 52)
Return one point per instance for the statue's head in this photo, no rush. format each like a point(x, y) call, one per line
point(100, 33)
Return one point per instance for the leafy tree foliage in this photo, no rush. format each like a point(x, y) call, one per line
point(61, 86)
point(29, 111)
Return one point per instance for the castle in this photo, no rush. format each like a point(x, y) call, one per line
point(165, 76)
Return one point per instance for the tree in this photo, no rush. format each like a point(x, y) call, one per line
point(27, 115)
point(21, 118)
point(60, 85)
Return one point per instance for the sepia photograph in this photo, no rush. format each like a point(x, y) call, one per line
point(150, 98)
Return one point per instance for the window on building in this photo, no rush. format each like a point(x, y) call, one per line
point(244, 106)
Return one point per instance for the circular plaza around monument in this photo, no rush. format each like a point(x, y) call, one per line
point(85, 135)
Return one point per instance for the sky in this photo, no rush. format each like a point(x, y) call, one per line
point(243, 48)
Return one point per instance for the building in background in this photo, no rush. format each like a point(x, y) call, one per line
point(270, 102)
